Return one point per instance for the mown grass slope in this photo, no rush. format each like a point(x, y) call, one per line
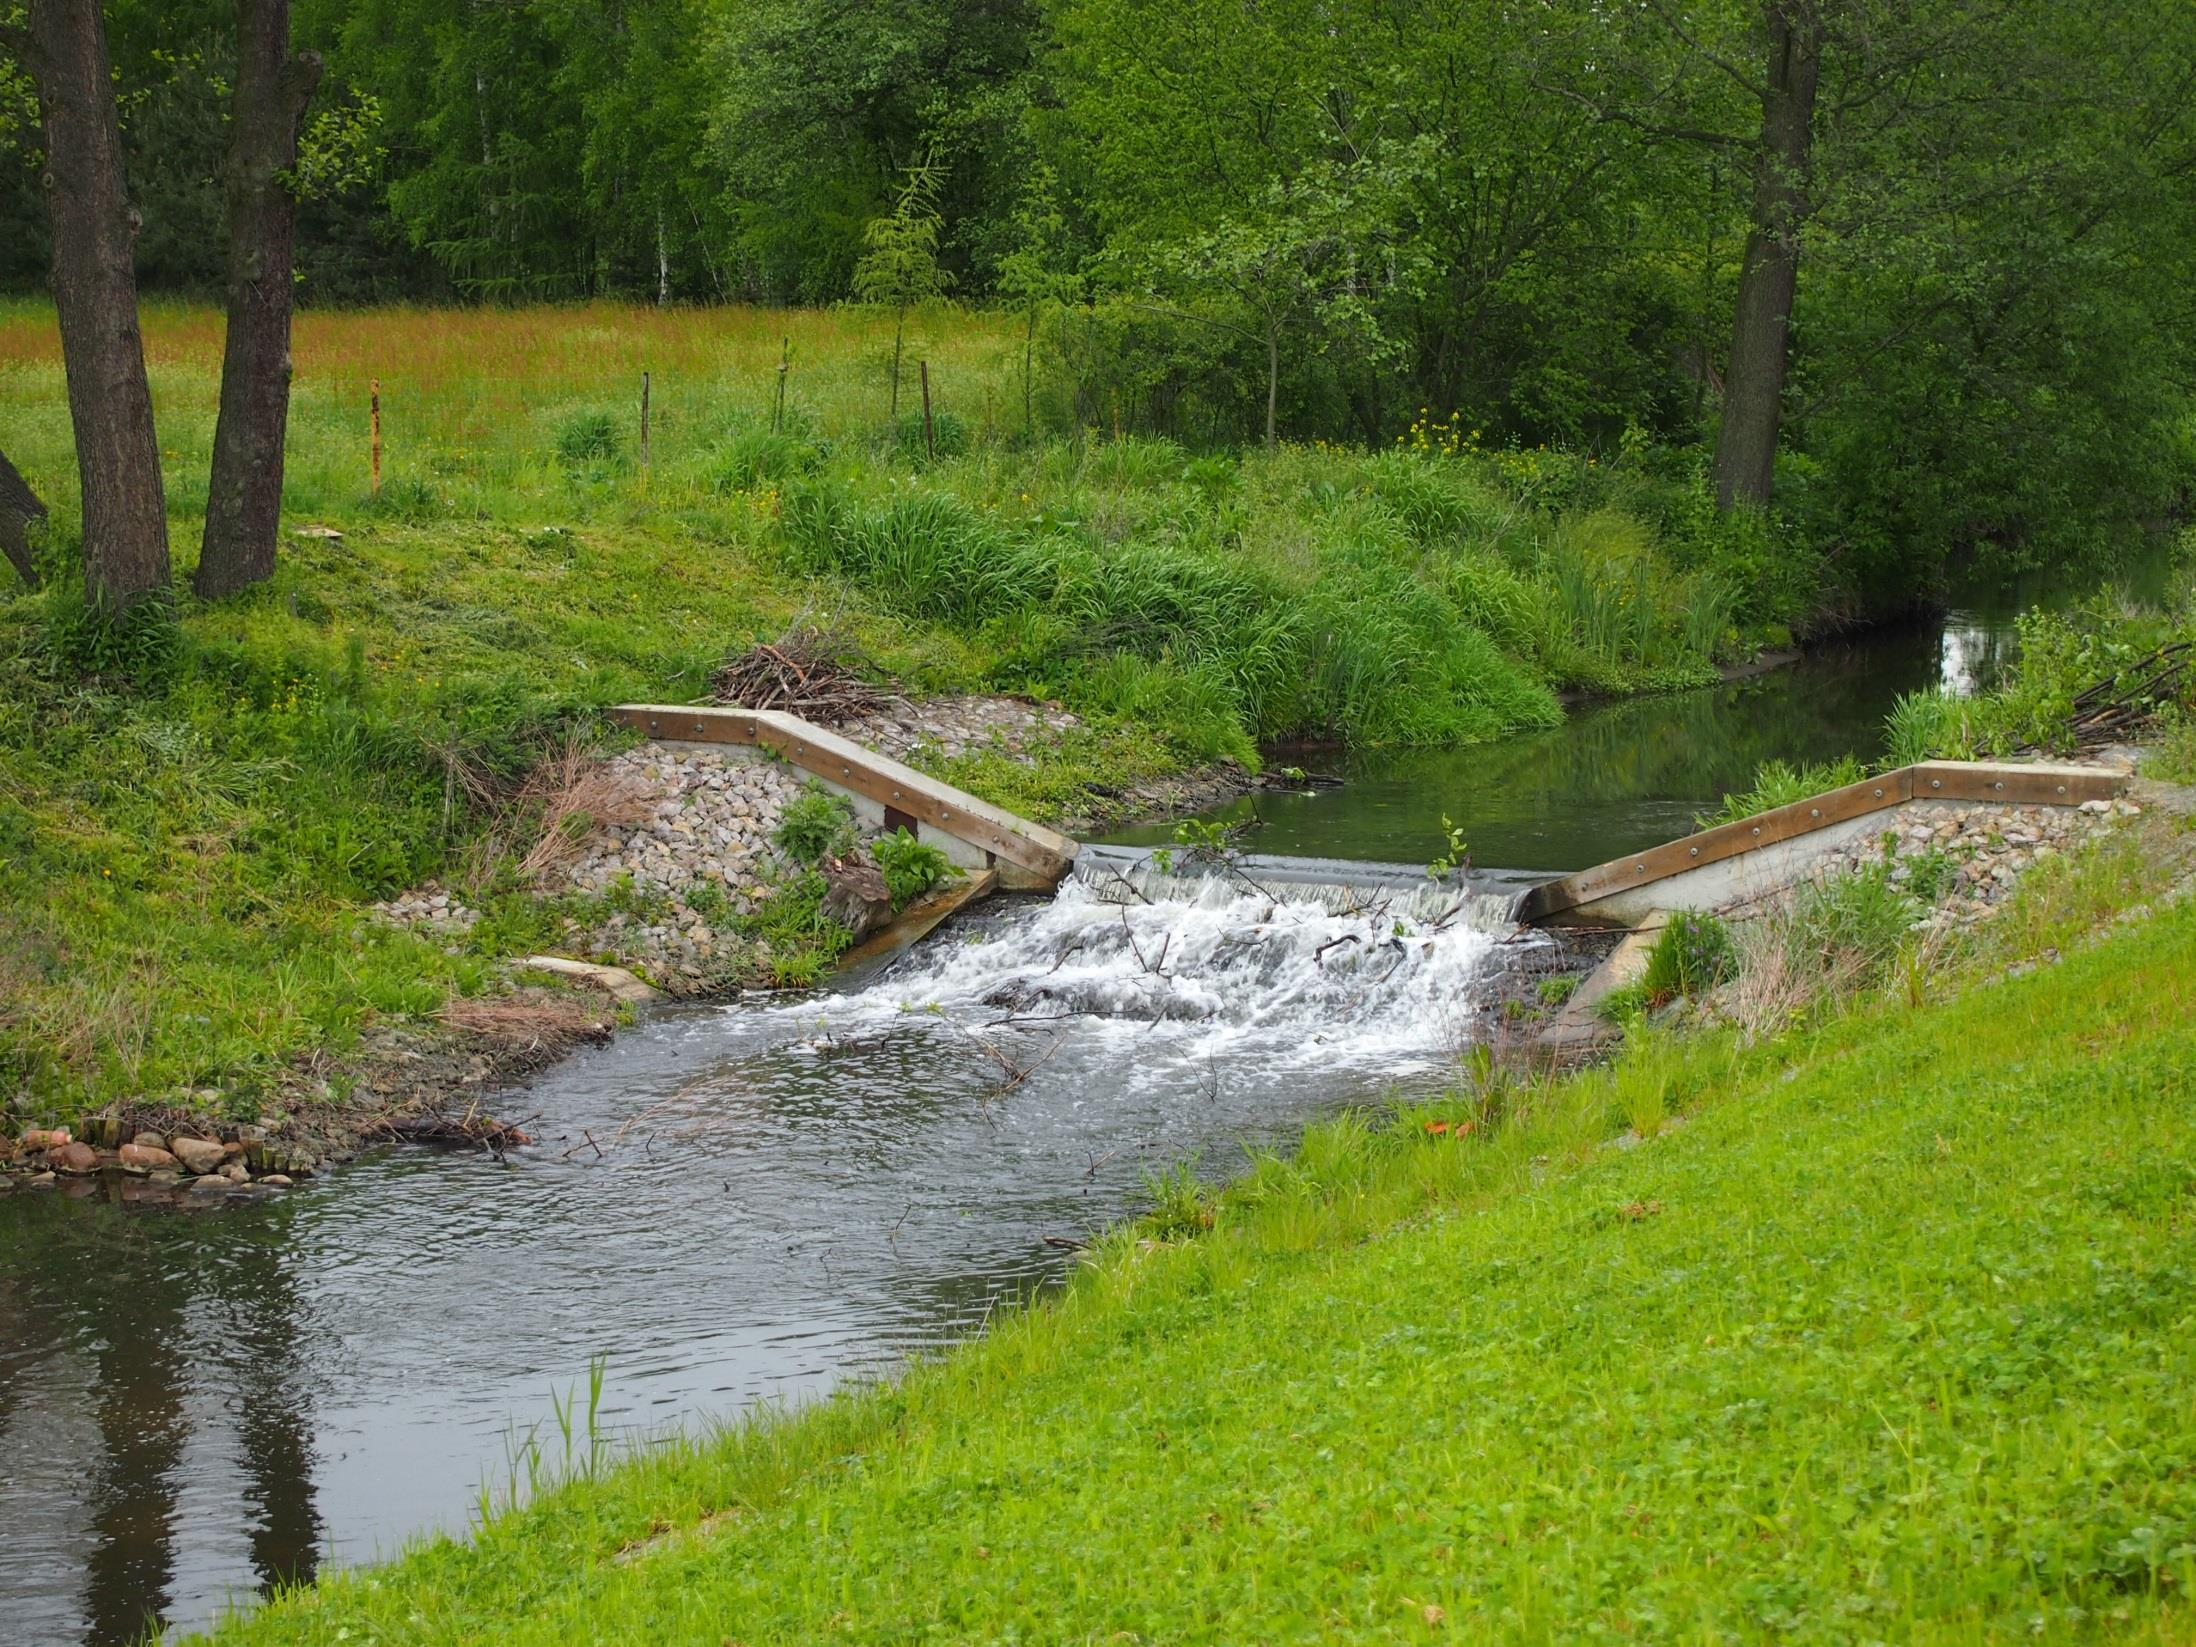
point(1893, 1339)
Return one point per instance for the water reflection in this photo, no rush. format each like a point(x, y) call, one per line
point(1612, 779)
point(150, 1410)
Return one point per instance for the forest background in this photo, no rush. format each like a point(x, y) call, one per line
point(1221, 222)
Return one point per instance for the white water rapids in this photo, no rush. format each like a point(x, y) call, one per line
point(1153, 974)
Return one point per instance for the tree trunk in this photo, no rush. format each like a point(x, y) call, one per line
point(244, 499)
point(95, 297)
point(1753, 391)
point(19, 506)
point(1273, 378)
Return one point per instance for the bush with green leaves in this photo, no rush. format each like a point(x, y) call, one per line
point(756, 458)
point(910, 866)
point(1780, 783)
point(816, 824)
point(589, 437)
point(947, 438)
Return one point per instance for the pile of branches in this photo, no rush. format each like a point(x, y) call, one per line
point(2118, 707)
point(817, 674)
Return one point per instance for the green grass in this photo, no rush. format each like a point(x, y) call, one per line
point(1894, 1339)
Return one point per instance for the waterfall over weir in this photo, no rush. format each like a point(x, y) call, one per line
point(1265, 966)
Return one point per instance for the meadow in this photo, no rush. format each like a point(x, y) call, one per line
point(1823, 1337)
point(193, 816)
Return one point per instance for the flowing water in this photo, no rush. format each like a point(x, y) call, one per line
point(758, 1200)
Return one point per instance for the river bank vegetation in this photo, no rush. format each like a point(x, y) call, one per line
point(1734, 1337)
point(195, 814)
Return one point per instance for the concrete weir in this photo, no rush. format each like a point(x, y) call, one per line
point(1759, 856)
point(1745, 864)
point(885, 794)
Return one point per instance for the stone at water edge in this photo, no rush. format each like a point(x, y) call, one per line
point(73, 1158)
point(146, 1157)
point(234, 1172)
point(275, 1180)
point(150, 1140)
point(38, 1138)
point(209, 1186)
point(199, 1154)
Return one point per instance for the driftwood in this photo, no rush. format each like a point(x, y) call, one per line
point(813, 673)
point(19, 506)
point(472, 1129)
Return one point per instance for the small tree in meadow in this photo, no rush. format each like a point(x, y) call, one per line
point(899, 263)
point(1298, 258)
point(1035, 275)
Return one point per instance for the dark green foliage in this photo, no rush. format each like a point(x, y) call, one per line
point(1691, 955)
point(761, 457)
point(139, 647)
point(948, 436)
point(1855, 921)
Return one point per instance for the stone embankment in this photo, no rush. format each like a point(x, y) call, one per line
point(1962, 859)
point(661, 889)
point(190, 1166)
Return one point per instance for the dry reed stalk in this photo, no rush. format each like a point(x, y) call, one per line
point(574, 792)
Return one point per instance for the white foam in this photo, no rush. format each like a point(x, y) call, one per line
point(1165, 970)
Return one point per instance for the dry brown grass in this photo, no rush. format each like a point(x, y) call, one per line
point(571, 792)
point(550, 1025)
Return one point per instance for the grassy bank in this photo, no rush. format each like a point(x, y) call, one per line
point(194, 817)
point(1856, 1340)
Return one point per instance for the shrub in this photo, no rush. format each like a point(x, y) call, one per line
point(81, 639)
point(948, 436)
point(1691, 955)
point(588, 436)
point(910, 867)
point(1852, 923)
point(1779, 783)
point(760, 457)
point(816, 825)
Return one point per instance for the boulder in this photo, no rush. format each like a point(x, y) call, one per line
point(38, 1138)
point(198, 1154)
point(210, 1186)
point(150, 1140)
point(146, 1158)
point(73, 1158)
point(856, 895)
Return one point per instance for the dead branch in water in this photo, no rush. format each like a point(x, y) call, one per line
point(472, 1129)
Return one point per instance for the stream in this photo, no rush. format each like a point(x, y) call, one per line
point(753, 1202)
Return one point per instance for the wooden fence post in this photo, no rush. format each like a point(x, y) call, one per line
point(644, 422)
point(785, 365)
point(374, 388)
point(930, 443)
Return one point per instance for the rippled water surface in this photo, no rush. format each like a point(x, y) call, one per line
point(731, 1203)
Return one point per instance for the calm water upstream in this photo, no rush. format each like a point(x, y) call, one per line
point(753, 1202)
